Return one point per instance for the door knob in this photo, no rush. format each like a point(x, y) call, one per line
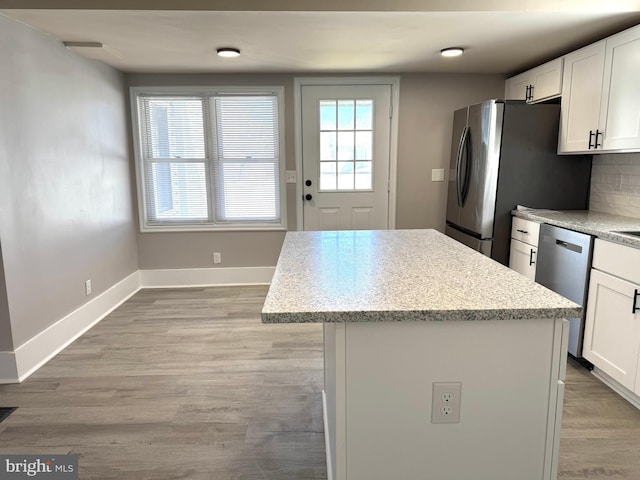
point(308, 196)
point(308, 183)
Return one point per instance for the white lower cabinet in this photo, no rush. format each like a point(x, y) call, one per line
point(523, 254)
point(612, 332)
point(612, 329)
point(522, 258)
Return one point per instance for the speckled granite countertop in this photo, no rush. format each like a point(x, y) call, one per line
point(399, 275)
point(601, 225)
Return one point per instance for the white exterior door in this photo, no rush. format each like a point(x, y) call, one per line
point(346, 132)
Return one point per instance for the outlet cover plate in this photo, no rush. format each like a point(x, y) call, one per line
point(446, 394)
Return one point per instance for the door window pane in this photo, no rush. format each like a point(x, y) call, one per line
point(327, 146)
point(364, 114)
point(346, 145)
point(346, 114)
point(345, 176)
point(363, 176)
point(328, 115)
point(328, 176)
point(364, 142)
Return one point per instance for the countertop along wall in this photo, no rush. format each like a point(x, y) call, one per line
point(66, 207)
point(427, 103)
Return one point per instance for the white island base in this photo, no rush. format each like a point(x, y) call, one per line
point(378, 395)
point(403, 309)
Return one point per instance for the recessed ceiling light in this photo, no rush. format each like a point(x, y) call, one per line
point(451, 52)
point(228, 52)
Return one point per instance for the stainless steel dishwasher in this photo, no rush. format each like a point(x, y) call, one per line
point(564, 263)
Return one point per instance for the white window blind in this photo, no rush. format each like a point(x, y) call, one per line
point(246, 158)
point(210, 160)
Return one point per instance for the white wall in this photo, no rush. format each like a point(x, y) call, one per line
point(66, 208)
point(615, 184)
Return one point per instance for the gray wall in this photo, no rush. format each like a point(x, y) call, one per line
point(239, 249)
point(66, 208)
point(427, 102)
point(6, 341)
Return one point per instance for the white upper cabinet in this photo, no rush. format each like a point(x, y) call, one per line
point(601, 97)
point(581, 93)
point(541, 83)
point(620, 110)
point(517, 88)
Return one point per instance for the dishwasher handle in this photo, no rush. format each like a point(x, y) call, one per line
point(569, 246)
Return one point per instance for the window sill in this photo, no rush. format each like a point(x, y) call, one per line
point(210, 228)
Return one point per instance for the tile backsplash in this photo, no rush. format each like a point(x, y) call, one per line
point(615, 184)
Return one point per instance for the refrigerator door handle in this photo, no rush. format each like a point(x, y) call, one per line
point(459, 182)
point(467, 168)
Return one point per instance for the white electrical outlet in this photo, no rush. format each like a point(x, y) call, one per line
point(445, 402)
point(87, 287)
point(217, 257)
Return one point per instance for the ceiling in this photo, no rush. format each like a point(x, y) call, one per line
point(337, 36)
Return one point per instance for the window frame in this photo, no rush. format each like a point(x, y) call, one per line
point(210, 225)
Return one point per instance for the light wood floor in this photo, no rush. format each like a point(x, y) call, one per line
point(188, 384)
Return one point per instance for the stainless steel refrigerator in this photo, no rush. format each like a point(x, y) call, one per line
point(503, 154)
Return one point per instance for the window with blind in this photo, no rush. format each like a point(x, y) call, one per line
point(209, 160)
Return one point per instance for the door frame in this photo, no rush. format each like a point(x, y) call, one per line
point(394, 83)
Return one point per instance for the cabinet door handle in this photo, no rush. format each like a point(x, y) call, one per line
point(531, 262)
point(591, 135)
point(598, 133)
point(522, 231)
point(636, 294)
point(530, 92)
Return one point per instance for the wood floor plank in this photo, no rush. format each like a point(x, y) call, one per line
point(189, 384)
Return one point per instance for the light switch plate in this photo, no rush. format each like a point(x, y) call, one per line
point(290, 176)
point(437, 175)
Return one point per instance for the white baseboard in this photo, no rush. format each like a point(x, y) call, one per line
point(37, 351)
point(17, 365)
point(204, 277)
point(327, 441)
point(625, 393)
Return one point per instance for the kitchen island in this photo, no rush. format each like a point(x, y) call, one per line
point(403, 309)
